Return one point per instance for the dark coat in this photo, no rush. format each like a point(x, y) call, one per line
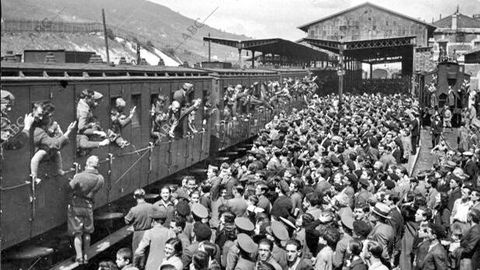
point(358, 264)
point(397, 223)
point(436, 259)
point(304, 265)
point(470, 246)
point(415, 128)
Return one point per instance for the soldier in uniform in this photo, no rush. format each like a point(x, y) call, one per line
point(139, 218)
point(87, 125)
point(246, 247)
point(11, 136)
point(119, 121)
point(177, 115)
point(48, 138)
point(182, 95)
point(159, 119)
point(80, 210)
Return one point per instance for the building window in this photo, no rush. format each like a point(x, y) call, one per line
point(476, 44)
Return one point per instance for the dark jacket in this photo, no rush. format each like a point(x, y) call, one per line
point(436, 259)
point(358, 264)
point(282, 207)
point(304, 265)
point(415, 129)
point(470, 246)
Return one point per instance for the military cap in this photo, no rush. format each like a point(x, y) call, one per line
point(187, 86)
point(6, 97)
point(244, 224)
point(199, 210)
point(158, 213)
point(279, 230)
point(346, 217)
point(451, 164)
point(246, 243)
point(287, 222)
point(92, 94)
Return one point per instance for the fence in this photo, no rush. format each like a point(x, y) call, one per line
point(45, 25)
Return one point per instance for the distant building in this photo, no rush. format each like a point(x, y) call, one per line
point(455, 36)
point(60, 56)
point(368, 21)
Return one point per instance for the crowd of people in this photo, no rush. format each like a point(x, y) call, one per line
point(326, 187)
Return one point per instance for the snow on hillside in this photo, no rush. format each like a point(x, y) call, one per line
point(152, 58)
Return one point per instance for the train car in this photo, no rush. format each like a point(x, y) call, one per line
point(30, 209)
point(445, 86)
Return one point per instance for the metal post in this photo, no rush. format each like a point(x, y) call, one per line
point(209, 49)
point(253, 59)
point(105, 34)
point(139, 57)
point(240, 57)
point(341, 71)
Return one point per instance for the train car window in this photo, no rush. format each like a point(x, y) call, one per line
point(137, 102)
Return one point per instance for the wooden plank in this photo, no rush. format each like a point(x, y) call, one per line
point(97, 248)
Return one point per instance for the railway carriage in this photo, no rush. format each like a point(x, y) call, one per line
point(30, 209)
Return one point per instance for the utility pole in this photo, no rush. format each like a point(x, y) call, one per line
point(139, 57)
point(106, 37)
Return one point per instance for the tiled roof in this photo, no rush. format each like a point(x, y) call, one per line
point(463, 21)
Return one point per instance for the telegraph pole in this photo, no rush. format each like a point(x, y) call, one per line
point(106, 36)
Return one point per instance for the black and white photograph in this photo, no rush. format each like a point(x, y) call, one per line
point(240, 135)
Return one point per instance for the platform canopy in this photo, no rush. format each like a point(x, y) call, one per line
point(371, 51)
point(275, 46)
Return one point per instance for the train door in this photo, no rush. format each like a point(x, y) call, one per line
point(15, 168)
point(178, 144)
point(162, 156)
point(53, 190)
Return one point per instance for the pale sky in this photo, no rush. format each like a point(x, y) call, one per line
point(280, 18)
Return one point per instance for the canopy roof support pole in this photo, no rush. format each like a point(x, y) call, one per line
point(253, 59)
point(240, 57)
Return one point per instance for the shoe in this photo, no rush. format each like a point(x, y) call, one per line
point(80, 261)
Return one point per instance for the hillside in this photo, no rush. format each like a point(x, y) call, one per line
point(166, 29)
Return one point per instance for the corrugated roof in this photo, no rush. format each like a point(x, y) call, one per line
point(305, 26)
point(463, 21)
point(273, 45)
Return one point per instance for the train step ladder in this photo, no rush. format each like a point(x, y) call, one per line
point(107, 218)
point(27, 253)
